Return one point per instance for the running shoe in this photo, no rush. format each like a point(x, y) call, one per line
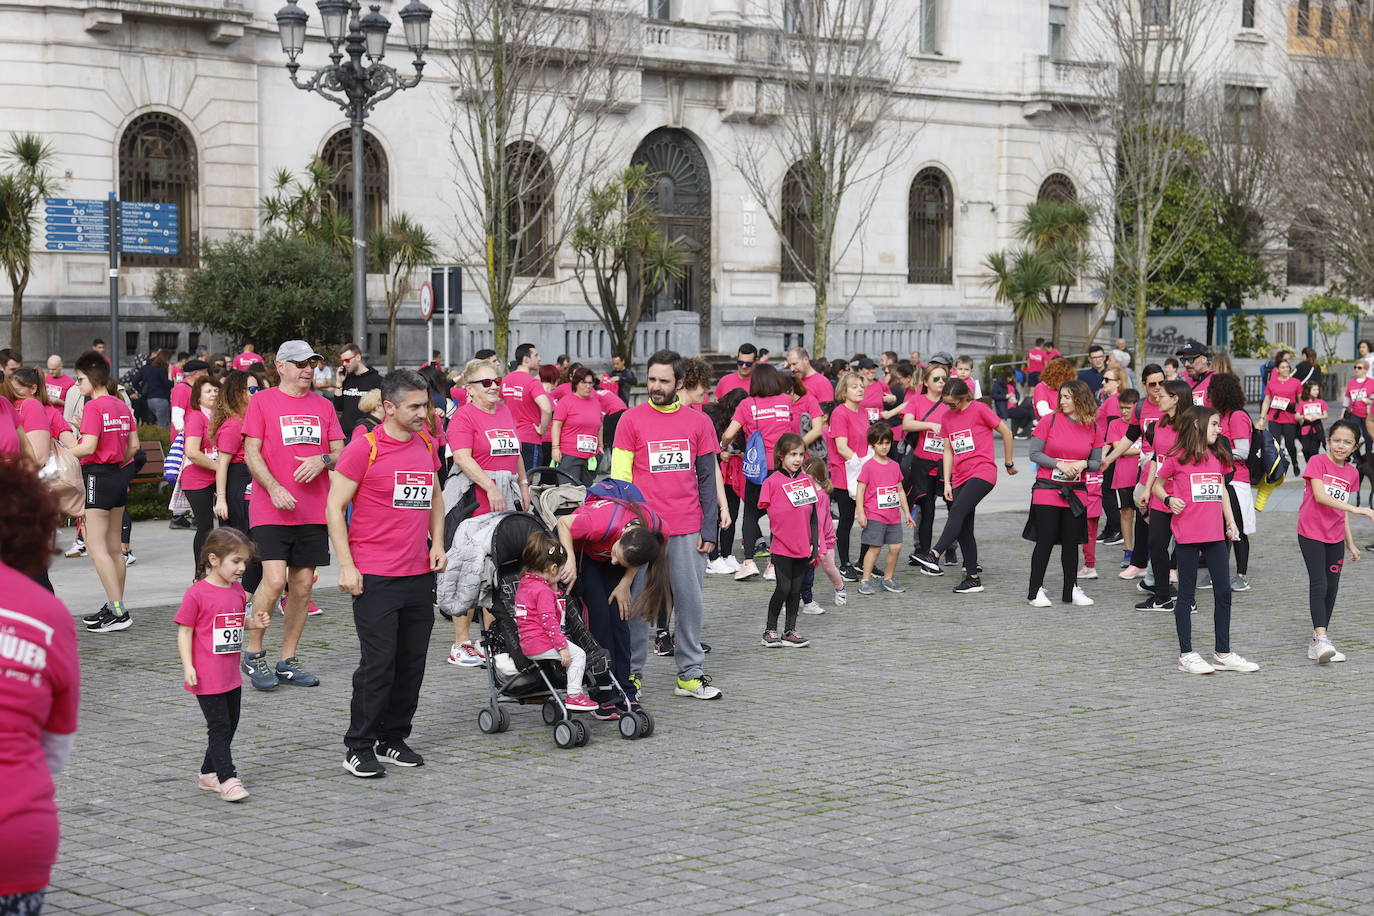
point(841, 598)
point(93, 618)
point(1231, 662)
point(208, 781)
point(929, 562)
point(579, 702)
point(1339, 656)
point(1040, 600)
point(290, 671)
point(1116, 538)
point(970, 585)
point(78, 549)
point(1192, 663)
point(1132, 572)
point(718, 567)
point(636, 681)
point(732, 563)
point(180, 522)
point(1143, 586)
point(313, 609)
point(1087, 572)
point(747, 570)
point(1239, 583)
point(812, 607)
point(129, 558)
point(465, 655)
point(771, 640)
point(363, 764)
point(698, 688)
point(232, 790)
point(706, 648)
point(399, 753)
point(254, 666)
point(890, 585)
point(1320, 650)
point(110, 622)
point(850, 573)
point(1204, 580)
point(794, 640)
point(769, 575)
point(866, 587)
point(1080, 599)
point(607, 712)
point(1151, 604)
point(663, 643)
point(952, 557)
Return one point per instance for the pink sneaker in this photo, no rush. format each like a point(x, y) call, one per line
point(1131, 572)
point(580, 702)
point(232, 790)
point(209, 782)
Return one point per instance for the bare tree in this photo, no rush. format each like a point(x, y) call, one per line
point(842, 64)
point(1155, 51)
point(533, 85)
point(1331, 140)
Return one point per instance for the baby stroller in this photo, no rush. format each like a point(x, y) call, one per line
point(513, 679)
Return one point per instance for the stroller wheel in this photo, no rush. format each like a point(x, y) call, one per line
point(551, 712)
point(486, 721)
point(646, 722)
point(563, 734)
point(502, 718)
point(580, 733)
point(630, 726)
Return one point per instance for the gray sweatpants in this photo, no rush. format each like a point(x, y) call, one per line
point(686, 572)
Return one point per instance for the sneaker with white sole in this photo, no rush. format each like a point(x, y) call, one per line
point(1079, 598)
point(771, 640)
point(1204, 581)
point(812, 607)
point(1339, 656)
point(130, 559)
point(1239, 583)
point(718, 567)
point(747, 570)
point(866, 587)
point(1192, 663)
point(1131, 572)
point(889, 584)
point(1087, 572)
point(579, 702)
point(1154, 604)
point(1320, 650)
point(1040, 600)
point(970, 585)
point(1231, 662)
point(794, 640)
point(841, 598)
point(732, 563)
point(363, 764)
point(232, 790)
point(769, 575)
point(465, 655)
point(78, 549)
point(399, 753)
point(698, 688)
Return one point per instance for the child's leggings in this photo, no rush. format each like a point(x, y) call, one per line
point(829, 568)
point(577, 665)
point(221, 712)
point(787, 591)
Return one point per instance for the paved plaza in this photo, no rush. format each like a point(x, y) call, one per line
point(930, 753)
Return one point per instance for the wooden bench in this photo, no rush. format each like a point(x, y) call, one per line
point(153, 466)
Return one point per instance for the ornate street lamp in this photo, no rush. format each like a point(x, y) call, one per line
point(356, 88)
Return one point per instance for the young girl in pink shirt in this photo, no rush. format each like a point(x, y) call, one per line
point(817, 469)
point(210, 625)
point(539, 616)
point(1310, 413)
point(1191, 486)
point(791, 499)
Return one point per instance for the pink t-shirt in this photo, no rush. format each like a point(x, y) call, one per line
point(790, 502)
point(1359, 392)
point(1283, 397)
point(872, 405)
point(852, 426)
point(32, 416)
point(1092, 497)
point(560, 392)
point(598, 523)
point(40, 685)
point(110, 420)
point(57, 387)
point(829, 538)
point(288, 428)
point(1164, 439)
point(882, 482)
point(1201, 394)
point(1235, 426)
point(928, 443)
point(1064, 440)
point(245, 361)
point(610, 401)
point(521, 391)
point(1044, 394)
point(216, 614)
point(1035, 360)
point(969, 435)
point(1150, 414)
point(229, 439)
point(538, 616)
point(1309, 411)
point(459, 394)
point(666, 446)
point(57, 422)
point(10, 428)
point(1126, 470)
point(581, 419)
point(772, 417)
point(492, 438)
point(1202, 486)
point(1323, 523)
point(193, 476)
point(181, 397)
point(388, 534)
point(729, 382)
point(819, 387)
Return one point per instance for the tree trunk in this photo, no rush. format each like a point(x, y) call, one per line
point(17, 320)
point(821, 317)
point(391, 309)
point(1056, 315)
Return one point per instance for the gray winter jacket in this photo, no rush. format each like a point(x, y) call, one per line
point(467, 580)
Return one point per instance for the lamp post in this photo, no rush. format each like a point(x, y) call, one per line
point(356, 88)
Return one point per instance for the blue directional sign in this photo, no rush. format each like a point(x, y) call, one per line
point(54, 219)
point(145, 227)
point(63, 204)
point(78, 246)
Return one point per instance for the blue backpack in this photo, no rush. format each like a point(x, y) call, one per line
point(611, 488)
point(755, 458)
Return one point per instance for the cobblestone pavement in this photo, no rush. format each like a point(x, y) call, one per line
point(930, 753)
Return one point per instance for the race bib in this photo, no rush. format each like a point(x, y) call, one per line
point(669, 455)
point(1311, 411)
point(873, 414)
point(800, 492)
point(1278, 403)
point(1335, 488)
point(886, 497)
point(54, 392)
point(1199, 399)
point(502, 443)
point(412, 490)
point(1359, 394)
point(301, 430)
point(228, 633)
point(1059, 476)
point(586, 444)
point(961, 442)
point(1207, 488)
point(934, 444)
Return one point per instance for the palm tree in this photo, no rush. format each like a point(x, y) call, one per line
point(1059, 232)
point(1021, 280)
point(306, 207)
point(399, 248)
point(22, 189)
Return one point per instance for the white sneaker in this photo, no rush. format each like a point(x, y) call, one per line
point(1320, 650)
point(1192, 663)
point(732, 563)
point(718, 567)
point(841, 598)
point(747, 570)
point(1079, 598)
point(78, 549)
point(465, 655)
point(769, 575)
point(1087, 572)
point(812, 607)
point(1231, 662)
point(130, 559)
point(1041, 599)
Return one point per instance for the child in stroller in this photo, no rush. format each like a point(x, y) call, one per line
point(539, 616)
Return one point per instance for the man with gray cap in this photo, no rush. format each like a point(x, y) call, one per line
point(291, 436)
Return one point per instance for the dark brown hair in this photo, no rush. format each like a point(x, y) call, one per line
point(767, 382)
point(221, 542)
point(31, 516)
point(541, 552)
point(787, 442)
point(1084, 404)
point(816, 468)
point(1192, 446)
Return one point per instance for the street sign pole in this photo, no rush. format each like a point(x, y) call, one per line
point(448, 299)
point(116, 344)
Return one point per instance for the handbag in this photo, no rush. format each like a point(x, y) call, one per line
point(176, 455)
point(62, 472)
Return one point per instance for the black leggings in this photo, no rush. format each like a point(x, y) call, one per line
point(1289, 433)
point(221, 712)
point(1323, 563)
point(845, 524)
point(1160, 532)
point(234, 487)
point(726, 544)
point(1214, 554)
point(790, 572)
point(959, 525)
point(1140, 546)
point(750, 532)
point(1056, 525)
point(1242, 546)
point(203, 506)
point(923, 499)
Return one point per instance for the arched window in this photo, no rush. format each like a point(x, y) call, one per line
point(157, 164)
point(930, 229)
point(1057, 188)
point(1306, 261)
point(529, 215)
point(799, 251)
point(338, 155)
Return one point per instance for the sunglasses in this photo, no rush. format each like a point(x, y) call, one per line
point(742, 363)
point(484, 382)
point(306, 364)
point(937, 378)
point(1153, 384)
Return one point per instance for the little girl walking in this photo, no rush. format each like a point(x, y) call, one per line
point(539, 616)
point(816, 468)
point(790, 497)
point(210, 624)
